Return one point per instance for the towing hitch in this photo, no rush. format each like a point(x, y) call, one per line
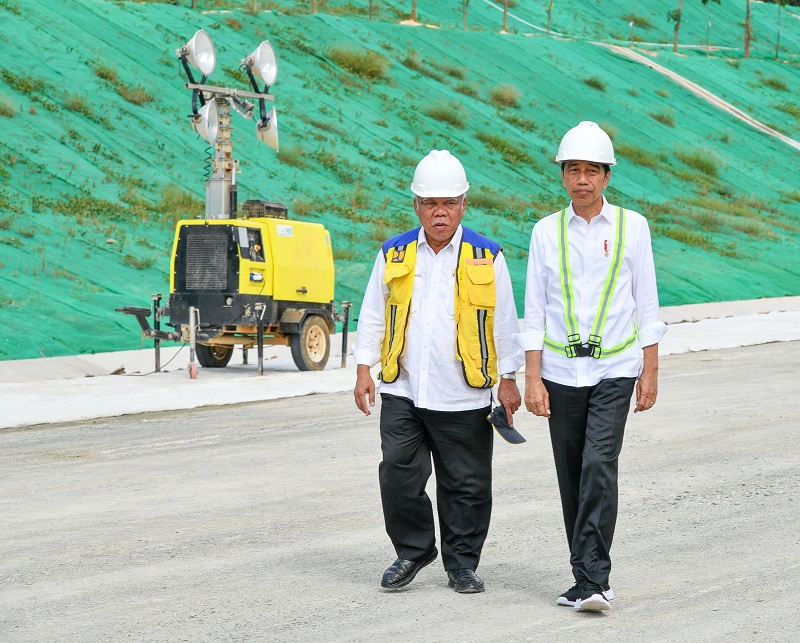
point(141, 315)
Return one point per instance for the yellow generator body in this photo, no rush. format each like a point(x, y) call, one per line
point(246, 274)
point(283, 259)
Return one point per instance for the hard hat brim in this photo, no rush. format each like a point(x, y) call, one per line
point(561, 161)
point(441, 194)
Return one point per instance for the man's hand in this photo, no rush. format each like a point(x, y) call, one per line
point(646, 391)
point(508, 395)
point(647, 386)
point(365, 389)
point(537, 399)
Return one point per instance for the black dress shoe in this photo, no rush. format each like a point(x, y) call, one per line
point(402, 572)
point(464, 581)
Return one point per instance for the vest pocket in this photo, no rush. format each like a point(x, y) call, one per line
point(400, 290)
point(474, 348)
point(480, 285)
point(477, 369)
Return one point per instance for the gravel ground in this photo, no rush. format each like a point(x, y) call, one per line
point(262, 522)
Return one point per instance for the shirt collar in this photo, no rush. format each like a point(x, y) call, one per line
point(607, 211)
point(455, 242)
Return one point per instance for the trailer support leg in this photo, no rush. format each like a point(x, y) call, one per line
point(157, 326)
point(345, 320)
point(260, 308)
point(192, 327)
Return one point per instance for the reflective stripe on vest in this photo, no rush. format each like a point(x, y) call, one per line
point(474, 304)
point(592, 348)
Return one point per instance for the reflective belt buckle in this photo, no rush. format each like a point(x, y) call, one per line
point(594, 344)
point(573, 348)
point(583, 350)
point(578, 350)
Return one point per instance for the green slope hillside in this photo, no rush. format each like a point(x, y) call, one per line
point(100, 158)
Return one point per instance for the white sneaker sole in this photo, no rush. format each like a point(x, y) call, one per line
point(595, 603)
point(563, 600)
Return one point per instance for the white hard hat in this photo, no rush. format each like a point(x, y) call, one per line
point(586, 142)
point(440, 174)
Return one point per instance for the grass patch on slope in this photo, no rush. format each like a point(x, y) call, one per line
point(362, 62)
point(510, 152)
point(449, 112)
point(505, 96)
point(700, 160)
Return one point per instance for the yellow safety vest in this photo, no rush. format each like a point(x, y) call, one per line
point(475, 300)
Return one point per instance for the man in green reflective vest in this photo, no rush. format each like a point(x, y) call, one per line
point(590, 338)
point(439, 316)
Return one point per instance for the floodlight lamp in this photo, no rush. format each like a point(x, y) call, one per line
point(263, 63)
point(199, 52)
point(267, 130)
point(206, 121)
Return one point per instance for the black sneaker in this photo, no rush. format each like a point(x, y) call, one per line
point(573, 595)
point(591, 597)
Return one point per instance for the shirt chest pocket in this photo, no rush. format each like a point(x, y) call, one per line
point(419, 291)
point(450, 296)
point(436, 299)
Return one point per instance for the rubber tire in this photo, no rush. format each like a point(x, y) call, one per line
point(213, 356)
point(311, 347)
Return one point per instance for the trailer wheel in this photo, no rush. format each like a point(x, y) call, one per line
point(213, 356)
point(312, 345)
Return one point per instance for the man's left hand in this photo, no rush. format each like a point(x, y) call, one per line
point(646, 391)
point(508, 395)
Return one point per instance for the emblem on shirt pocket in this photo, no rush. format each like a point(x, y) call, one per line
point(399, 254)
point(605, 247)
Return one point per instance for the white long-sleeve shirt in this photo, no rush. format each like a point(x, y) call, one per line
point(430, 374)
point(635, 298)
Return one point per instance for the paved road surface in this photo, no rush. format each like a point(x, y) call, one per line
point(261, 522)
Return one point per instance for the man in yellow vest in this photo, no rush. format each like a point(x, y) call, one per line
point(439, 316)
point(591, 331)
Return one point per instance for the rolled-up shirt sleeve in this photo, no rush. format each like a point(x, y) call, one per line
point(645, 292)
point(506, 322)
point(532, 336)
point(371, 318)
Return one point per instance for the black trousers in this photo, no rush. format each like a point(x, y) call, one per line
point(460, 443)
point(587, 425)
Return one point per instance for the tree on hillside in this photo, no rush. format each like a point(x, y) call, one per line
point(464, 5)
point(505, 16)
point(675, 16)
point(707, 3)
point(780, 4)
point(549, 15)
point(414, 10)
point(747, 32)
point(633, 20)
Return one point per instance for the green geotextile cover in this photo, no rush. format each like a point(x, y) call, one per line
point(100, 157)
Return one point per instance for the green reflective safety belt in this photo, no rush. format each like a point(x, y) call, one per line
point(592, 348)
